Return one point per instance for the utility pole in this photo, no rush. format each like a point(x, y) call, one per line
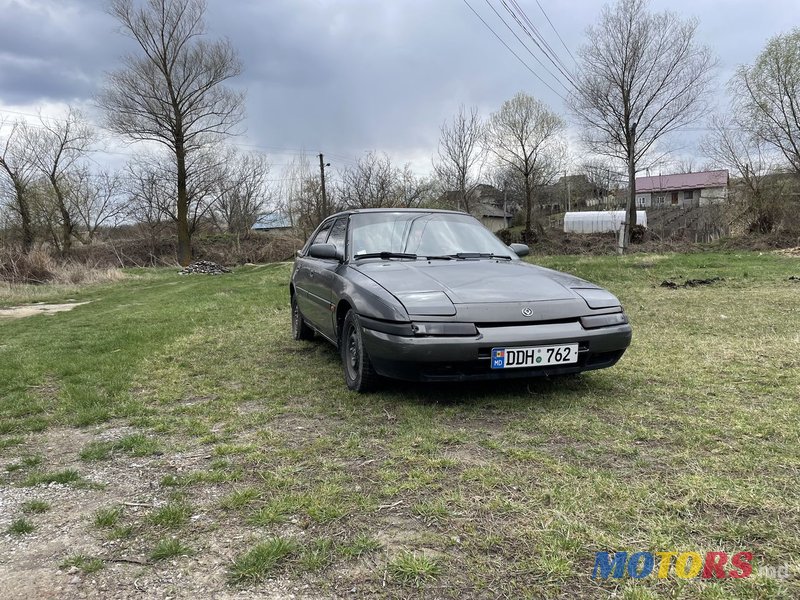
point(322, 165)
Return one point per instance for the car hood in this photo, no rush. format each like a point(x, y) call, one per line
point(473, 281)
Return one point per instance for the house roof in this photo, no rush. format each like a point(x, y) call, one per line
point(274, 220)
point(682, 181)
point(486, 210)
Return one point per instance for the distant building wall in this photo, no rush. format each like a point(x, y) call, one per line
point(710, 196)
point(494, 224)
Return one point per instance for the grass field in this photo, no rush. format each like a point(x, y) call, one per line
point(168, 438)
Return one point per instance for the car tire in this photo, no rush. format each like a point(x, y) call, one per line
point(359, 375)
point(300, 329)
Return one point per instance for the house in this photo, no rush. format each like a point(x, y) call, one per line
point(489, 204)
point(492, 217)
point(272, 222)
point(682, 190)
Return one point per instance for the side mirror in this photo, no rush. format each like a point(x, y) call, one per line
point(326, 251)
point(520, 249)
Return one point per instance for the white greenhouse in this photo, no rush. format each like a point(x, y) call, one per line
point(599, 221)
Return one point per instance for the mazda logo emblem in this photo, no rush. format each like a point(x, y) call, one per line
point(527, 312)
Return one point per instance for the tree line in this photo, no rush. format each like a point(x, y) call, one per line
point(640, 77)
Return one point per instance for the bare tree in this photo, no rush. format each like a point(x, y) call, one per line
point(56, 147)
point(641, 76)
point(300, 196)
point(459, 160)
point(770, 95)
point(174, 91)
point(96, 199)
point(17, 174)
point(150, 192)
point(412, 191)
point(45, 213)
point(525, 136)
point(371, 183)
point(244, 191)
point(731, 146)
point(604, 178)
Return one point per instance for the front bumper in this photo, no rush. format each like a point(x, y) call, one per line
point(468, 358)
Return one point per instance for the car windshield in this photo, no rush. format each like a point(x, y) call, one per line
point(423, 234)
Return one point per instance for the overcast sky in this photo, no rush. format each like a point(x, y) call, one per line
point(347, 76)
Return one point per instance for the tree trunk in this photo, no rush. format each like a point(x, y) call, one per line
point(184, 237)
point(630, 220)
point(528, 207)
point(466, 201)
point(631, 195)
point(66, 223)
point(25, 218)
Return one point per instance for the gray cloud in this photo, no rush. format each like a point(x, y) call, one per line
point(345, 76)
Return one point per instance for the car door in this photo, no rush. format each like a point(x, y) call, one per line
point(323, 278)
point(305, 278)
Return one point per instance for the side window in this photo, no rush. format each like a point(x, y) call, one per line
point(322, 235)
point(337, 236)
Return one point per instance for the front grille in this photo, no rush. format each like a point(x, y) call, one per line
point(525, 323)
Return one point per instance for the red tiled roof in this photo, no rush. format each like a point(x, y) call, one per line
point(682, 181)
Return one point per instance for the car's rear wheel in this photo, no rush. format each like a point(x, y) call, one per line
point(359, 374)
point(300, 330)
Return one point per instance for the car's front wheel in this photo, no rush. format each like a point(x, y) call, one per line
point(358, 371)
point(300, 330)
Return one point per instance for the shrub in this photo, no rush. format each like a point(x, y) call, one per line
point(34, 267)
point(39, 267)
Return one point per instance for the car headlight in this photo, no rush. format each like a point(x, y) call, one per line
point(427, 303)
point(597, 298)
point(454, 329)
point(595, 321)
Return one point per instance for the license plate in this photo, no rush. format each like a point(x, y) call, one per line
point(535, 356)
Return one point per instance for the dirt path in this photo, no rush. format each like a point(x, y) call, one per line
point(29, 310)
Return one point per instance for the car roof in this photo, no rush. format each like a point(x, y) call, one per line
point(354, 211)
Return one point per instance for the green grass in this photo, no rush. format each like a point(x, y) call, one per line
point(361, 544)
point(27, 462)
point(173, 515)
point(133, 445)
point(106, 518)
point(169, 548)
point(35, 507)
point(87, 564)
point(20, 527)
point(412, 568)
point(261, 560)
point(483, 490)
point(65, 477)
point(120, 532)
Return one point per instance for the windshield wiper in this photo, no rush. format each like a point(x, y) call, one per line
point(465, 255)
point(386, 255)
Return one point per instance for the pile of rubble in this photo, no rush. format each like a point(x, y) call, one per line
point(204, 267)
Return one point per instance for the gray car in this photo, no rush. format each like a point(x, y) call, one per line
point(432, 295)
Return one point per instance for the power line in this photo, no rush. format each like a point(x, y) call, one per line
point(530, 29)
point(517, 56)
point(556, 32)
point(514, 33)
